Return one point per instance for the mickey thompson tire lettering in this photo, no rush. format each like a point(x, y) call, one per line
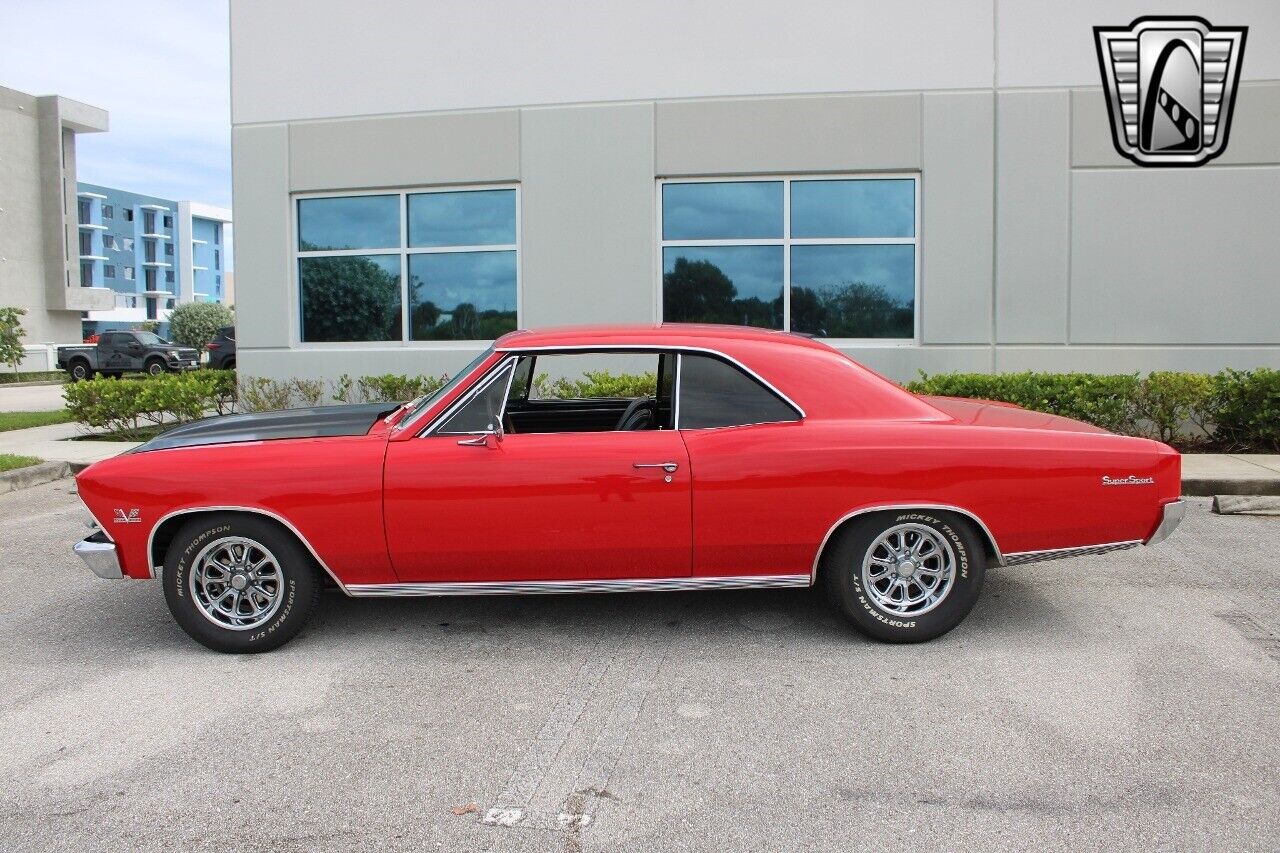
point(301, 587)
point(841, 569)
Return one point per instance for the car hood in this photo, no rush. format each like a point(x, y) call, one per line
point(988, 413)
point(317, 422)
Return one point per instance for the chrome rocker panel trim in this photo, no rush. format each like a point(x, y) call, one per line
point(1170, 518)
point(396, 590)
point(1023, 557)
point(99, 554)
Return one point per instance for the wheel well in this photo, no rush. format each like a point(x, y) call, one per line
point(77, 359)
point(163, 535)
point(961, 517)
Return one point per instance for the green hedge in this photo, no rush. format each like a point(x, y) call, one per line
point(1235, 410)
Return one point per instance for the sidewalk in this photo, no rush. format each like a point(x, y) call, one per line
point(1205, 474)
point(47, 443)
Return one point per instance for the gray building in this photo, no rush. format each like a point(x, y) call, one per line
point(39, 233)
point(929, 186)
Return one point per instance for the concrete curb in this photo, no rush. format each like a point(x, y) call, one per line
point(1207, 487)
point(30, 384)
point(35, 475)
point(1260, 504)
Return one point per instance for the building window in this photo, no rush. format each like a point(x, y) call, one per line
point(128, 214)
point(149, 278)
point(108, 241)
point(168, 250)
point(109, 270)
point(168, 276)
point(86, 275)
point(148, 222)
point(217, 235)
point(86, 243)
point(417, 265)
point(829, 257)
point(85, 209)
point(168, 222)
point(127, 244)
point(128, 273)
point(151, 309)
point(217, 260)
point(108, 212)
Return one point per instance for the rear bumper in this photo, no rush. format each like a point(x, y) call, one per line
point(1174, 511)
point(99, 554)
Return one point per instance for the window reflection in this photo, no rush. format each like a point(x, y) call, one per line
point(740, 285)
point(472, 218)
point(350, 298)
point(861, 291)
point(463, 296)
point(878, 208)
point(353, 222)
point(722, 210)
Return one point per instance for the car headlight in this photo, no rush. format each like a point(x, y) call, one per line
point(173, 356)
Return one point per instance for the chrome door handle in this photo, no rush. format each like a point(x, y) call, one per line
point(669, 467)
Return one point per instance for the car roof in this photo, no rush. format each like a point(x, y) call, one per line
point(650, 335)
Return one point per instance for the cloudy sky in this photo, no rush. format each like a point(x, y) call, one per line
point(160, 68)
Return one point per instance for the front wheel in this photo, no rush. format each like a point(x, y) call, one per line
point(155, 367)
point(905, 576)
point(239, 584)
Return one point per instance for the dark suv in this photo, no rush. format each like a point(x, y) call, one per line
point(222, 349)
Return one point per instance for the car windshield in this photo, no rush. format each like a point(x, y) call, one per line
point(418, 405)
point(150, 339)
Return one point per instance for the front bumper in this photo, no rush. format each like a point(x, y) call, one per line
point(99, 553)
point(1174, 511)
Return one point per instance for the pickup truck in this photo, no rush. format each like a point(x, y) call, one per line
point(125, 352)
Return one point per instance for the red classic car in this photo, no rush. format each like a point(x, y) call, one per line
point(753, 459)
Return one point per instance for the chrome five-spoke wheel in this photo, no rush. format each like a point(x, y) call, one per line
point(236, 583)
point(909, 569)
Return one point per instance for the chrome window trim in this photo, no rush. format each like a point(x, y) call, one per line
point(394, 590)
point(487, 378)
point(157, 568)
point(676, 348)
point(1021, 558)
point(817, 558)
point(476, 390)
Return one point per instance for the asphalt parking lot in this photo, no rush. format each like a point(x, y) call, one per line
point(1127, 701)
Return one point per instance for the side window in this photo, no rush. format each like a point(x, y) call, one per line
point(482, 412)
point(520, 383)
point(714, 393)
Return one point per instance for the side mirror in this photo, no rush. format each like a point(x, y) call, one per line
point(489, 439)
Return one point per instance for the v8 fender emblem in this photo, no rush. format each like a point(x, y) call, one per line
point(133, 516)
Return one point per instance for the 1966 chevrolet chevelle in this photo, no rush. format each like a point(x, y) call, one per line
point(759, 459)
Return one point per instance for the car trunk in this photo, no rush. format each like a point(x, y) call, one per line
point(988, 413)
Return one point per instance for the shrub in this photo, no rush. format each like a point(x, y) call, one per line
point(1244, 406)
point(385, 388)
point(1103, 400)
point(194, 324)
point(259, 394)
point(1166, 402)
point(11, 334)
point(597, 383)
point(128, 409)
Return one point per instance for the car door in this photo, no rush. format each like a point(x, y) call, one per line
point(753, 503)
point(111, 351)
point(467, 503)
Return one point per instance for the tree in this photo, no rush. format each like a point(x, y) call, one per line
point(698, 292)
point(194, 324)
point(11, 335)
point(349, 299)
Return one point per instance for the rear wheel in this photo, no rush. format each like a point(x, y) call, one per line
point(79, 370)
point(237, 583)
point(905, 576)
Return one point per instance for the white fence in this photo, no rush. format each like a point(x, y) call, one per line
point(37, 358)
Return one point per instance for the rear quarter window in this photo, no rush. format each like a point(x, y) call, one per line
point(715, 393)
